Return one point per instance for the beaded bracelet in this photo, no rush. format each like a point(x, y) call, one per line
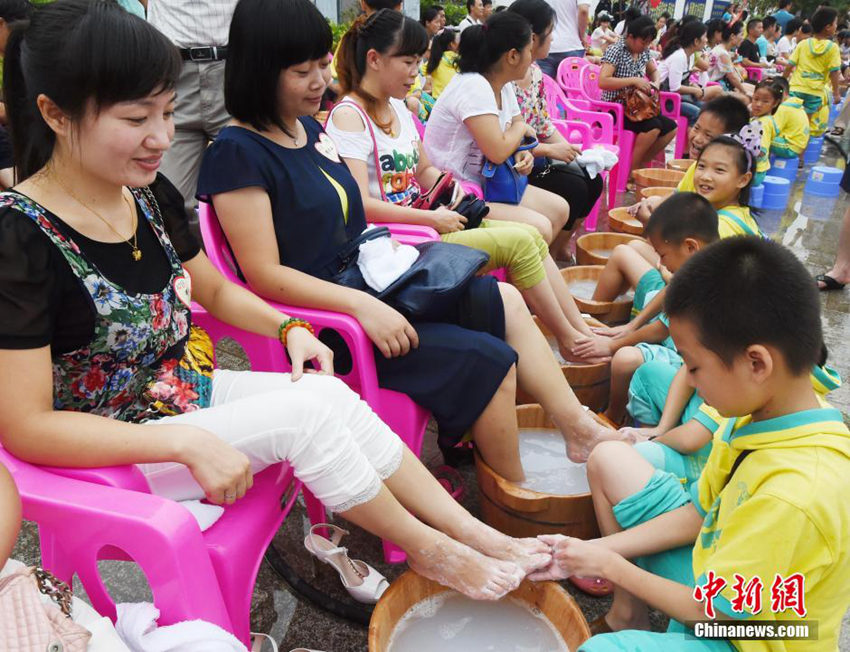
point(292, 322)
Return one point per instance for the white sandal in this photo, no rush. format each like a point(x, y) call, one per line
point(363, 582)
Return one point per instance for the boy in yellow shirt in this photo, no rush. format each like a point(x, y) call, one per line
point(814, 65)
point(764, 534)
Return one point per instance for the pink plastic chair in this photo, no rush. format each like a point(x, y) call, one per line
point(671, 106)
point(755, 74)
point(600, 131)
point(568, 76)
point(84, 515)
point(407, 419)
point(623, 137)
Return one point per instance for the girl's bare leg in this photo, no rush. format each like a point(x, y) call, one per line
point(642, 144)
point(659, 145)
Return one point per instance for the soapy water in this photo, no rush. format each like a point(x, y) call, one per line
point(548, 470)
point(584, 289)
point(602, 253)
point(450, 622)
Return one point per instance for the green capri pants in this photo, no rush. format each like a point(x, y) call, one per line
point(518, 247)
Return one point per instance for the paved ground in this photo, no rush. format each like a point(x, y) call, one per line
point(809, 226)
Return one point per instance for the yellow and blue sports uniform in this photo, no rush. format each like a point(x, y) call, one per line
point(792, 129)
point(768, 132)
point(787, 501)
point(731, 220)
point(735, 220)
point(649, 285)
point(814, 60)
point(648, 391)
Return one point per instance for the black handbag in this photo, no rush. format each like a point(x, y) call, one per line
point(545, 165)
point(429, 289)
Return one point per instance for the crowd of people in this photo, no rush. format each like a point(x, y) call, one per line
point(121, 120)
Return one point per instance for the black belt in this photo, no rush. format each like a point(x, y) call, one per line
point(204, 53)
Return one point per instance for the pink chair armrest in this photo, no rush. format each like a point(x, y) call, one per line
point(412, 233)
point(472, 188)
point(614, 109)
point(601, 124)
point(574, 132)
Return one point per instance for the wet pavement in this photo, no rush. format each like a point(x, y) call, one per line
point(809, 226)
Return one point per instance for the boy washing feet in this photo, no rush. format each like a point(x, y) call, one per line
point(770, 505)
point(682, 225)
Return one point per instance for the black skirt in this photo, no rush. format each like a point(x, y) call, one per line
point(661, 122)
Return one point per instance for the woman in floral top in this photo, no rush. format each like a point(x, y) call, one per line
point(98, 271)
point(580, 191)
point(626, 64)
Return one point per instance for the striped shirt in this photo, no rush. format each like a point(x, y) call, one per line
point(192, 23)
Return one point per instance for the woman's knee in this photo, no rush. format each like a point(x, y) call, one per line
point(512, 301)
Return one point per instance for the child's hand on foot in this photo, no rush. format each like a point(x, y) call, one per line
point(613, 331)
point(595, 347)
point(571, 556)
point(637, 435)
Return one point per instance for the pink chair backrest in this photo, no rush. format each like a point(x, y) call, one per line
point(589, 86)
point(419, 127)
point(560, 107)
point(569, 73)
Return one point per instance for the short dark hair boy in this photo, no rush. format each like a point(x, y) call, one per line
point(683, 215)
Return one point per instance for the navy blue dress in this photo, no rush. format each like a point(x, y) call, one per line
point(460, 362)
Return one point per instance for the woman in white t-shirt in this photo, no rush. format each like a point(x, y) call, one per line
point(376, 137)
point(785, 46)
point(677, 64)
point(477, 118)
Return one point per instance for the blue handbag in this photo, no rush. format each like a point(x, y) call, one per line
point(502, 183)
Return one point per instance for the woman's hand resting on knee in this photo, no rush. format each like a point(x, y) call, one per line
point(386, 327)
point(223, 472)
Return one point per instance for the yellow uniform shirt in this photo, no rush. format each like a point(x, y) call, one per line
point(785, 511)
point(736, 220)
point(792, 125)
point(443, 73)
point(687, 182)
point(814, 59)
point(768, 133)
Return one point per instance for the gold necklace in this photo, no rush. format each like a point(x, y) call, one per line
point(136, 253)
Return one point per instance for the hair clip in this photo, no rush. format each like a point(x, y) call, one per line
point(749, 138)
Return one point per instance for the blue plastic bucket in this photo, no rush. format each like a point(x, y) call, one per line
point(824, 181)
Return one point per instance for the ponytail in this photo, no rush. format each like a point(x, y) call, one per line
point(439, 44)
point(386, 31)
point(75, 51)
point(685, 35)
point(481, 46)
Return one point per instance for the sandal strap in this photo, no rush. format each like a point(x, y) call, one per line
point(337, 533)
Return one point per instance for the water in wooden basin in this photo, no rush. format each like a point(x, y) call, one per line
point(417, 614)
point(546, 465)
point(450, 622)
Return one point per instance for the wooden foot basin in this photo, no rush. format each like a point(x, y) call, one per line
point(621, 221)
point(680, 164)
point(580, 277)
point(654, 191)
point(558, 606)
point(596, 248)
point(591, 383)
point(650, 177)
point(522, 512)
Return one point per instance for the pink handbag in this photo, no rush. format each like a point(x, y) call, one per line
point(28, 625)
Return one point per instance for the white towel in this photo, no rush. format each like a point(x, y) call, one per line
point(205, 514)
point(136, 624)
point(382, 261)
point(596, 160)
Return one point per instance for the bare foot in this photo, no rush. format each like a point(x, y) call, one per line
point(568, 355)
point(585, 433)
point(529, 554)
point(465, 570)
point(618, 622)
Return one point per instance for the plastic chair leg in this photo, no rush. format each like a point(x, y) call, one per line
point(592, 216)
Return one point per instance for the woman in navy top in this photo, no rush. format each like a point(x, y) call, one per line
point(288, 204)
